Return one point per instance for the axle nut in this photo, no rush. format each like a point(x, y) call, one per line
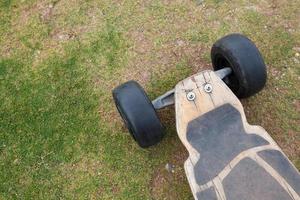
point(191, 96)
point(208, 88)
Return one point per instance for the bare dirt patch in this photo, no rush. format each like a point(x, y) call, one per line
point(42, 8)
point(165, 184)
point(297, 105)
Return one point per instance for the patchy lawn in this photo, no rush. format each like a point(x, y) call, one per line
point(60, 134)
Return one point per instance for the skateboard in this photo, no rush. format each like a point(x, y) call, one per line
point(229, 159)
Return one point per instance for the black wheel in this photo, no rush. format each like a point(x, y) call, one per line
point(242, 56)
point(138, 114)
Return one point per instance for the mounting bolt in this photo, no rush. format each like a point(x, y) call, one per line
point(191, 96)
point(208, 88)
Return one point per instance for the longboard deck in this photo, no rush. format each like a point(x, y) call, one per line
point(228, 158)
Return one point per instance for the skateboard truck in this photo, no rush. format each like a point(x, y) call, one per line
point(167, 99)
point(229, 159)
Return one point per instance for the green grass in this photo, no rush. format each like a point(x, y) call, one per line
point(60, 134)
